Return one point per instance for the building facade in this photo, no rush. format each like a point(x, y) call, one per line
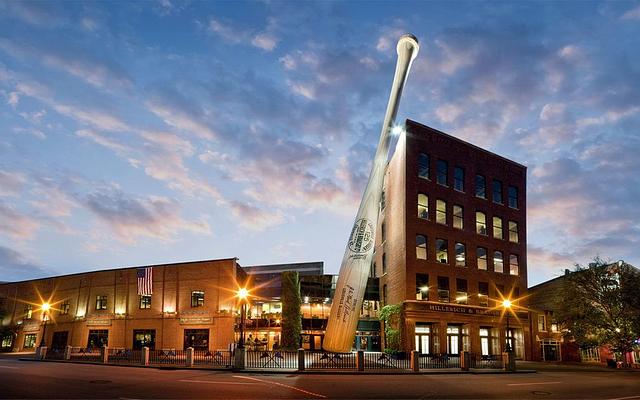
point(192, 305)
point(451, 245)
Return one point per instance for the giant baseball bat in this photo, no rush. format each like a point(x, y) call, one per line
point(356, 263)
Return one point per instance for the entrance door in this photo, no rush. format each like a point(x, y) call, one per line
point(317, 342)
point(196, 338)
point(59, 340)
point(144, 338)
point(422, 336)
point(484, 341)
point(453, 340)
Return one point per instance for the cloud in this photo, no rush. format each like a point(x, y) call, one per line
point(265, 41)
point(13, 99)
point(632, 14)
point(254, 218)
point(102, 140)
point(11, 183)
point(132, 219)
point(227, 32)
point(14, 266)
point(15, 224)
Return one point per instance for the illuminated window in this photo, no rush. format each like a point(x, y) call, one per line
point(30, 341)
point(497, 192)
point(481, 187)
point(513, 231)
point(422, 287)
point(64, 307)
point(483, 294)
point(554, 327)
point(441, 212)
point(458, 179)
point(461, 291)
point(498, 261)
point(441, 251)
point(481, 254)
point(458, 217)
point(197, 298)
point(145, 302)
point(513, 264)
point(542, 326)
point(423, 206)
point(481, 223)
point(421, 247)
point(443, 289)
point(28, 311)
point(513, 197)
point(423, 166)
point(497, 227)
point(441, 169)
point(461, 255)
point(101, 302)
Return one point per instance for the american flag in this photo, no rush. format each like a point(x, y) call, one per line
point(145, 281)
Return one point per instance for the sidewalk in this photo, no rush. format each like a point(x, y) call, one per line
point(549, 366)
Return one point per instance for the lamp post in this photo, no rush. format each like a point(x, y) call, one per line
point(242, 296)
point(506, 304)
point(45, 308)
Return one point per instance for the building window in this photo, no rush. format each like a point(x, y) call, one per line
point(481, 223)
point(64, 307)
point(481, 255)
point(513, 231)
point(554, 327)
point(458, 179)
point(497, 191)
point(383, 199)
point(372, 273)
point(443, 289)
point(383, 232)
point(442, 254)
point(384, 294)
point(423, 206)
point(98, 338)
point(441, 212)
point(513, 264)
point(497, 227)
point(498, 261)
point(423, 338)
point(481, 186)
point(28, 311)
point(423, 166)
point(461, 255)
point(197, 298)
point(30, 341)
point(422, 287)
point(483, 294)
point(513, 197)
point(542, 326)
point(461, 291)
point(144, 338)
point(7, 342)
point(101, 302)
point(458, 217)
point(484, 342)
point(441, 171)
point(145, 301)
point(384, 263)
point(421, 247)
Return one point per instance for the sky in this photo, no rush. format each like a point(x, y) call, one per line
point(137, 133)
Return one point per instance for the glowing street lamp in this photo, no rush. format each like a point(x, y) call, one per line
point(506, 305)
point(242, 295)
point(45, 309)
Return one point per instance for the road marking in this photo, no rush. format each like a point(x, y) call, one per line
point(626, 398)
point(220, 382)
point(283, 385)
point(5, 366)
point(532, 383)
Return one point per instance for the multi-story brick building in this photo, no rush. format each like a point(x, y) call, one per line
point(452, 244)
point(192, 304)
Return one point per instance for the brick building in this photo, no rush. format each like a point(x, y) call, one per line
point(452, 244)
point(192, 305)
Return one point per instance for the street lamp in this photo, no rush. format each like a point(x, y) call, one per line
point(506, 305)
point(242, 294)
point(45, 308)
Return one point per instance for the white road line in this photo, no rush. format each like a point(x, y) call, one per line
point(217, 382)
point(532, 383)
point(283, 385)
point(5, 366)
point(626, 398)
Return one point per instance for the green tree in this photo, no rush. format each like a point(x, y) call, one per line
point(291, 315)
point(599, 305)
point(390, 317)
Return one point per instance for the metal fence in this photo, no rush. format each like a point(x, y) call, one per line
point(322, 360)
point(124, 356)
point(167, 357)
point(377, 360)
point(479, 361)
point(215, 359)
point(55, 354)
point(87, 354)
point(430, 361)
point(271, 359)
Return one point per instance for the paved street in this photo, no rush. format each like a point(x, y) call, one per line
point(25, 379)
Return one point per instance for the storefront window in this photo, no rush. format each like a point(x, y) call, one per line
point(423, 338)
point(98, 338)
point(144, 338)
point(30, 341)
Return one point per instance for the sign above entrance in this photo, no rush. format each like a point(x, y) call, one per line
point(196, 321)
point(457, 309)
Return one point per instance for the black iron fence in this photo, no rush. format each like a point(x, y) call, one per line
point(124, 356)
point(486, 361)
point(271, 359)
point(433, 361)
point(376, 360)
point(55, 354)
point(322, 360)
point(86, 354)
point(167, 357)
point(213, 358)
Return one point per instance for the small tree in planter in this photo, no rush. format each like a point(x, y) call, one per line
point(291, 315)
point(390, 318)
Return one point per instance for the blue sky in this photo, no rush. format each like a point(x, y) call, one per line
point(153, 132)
